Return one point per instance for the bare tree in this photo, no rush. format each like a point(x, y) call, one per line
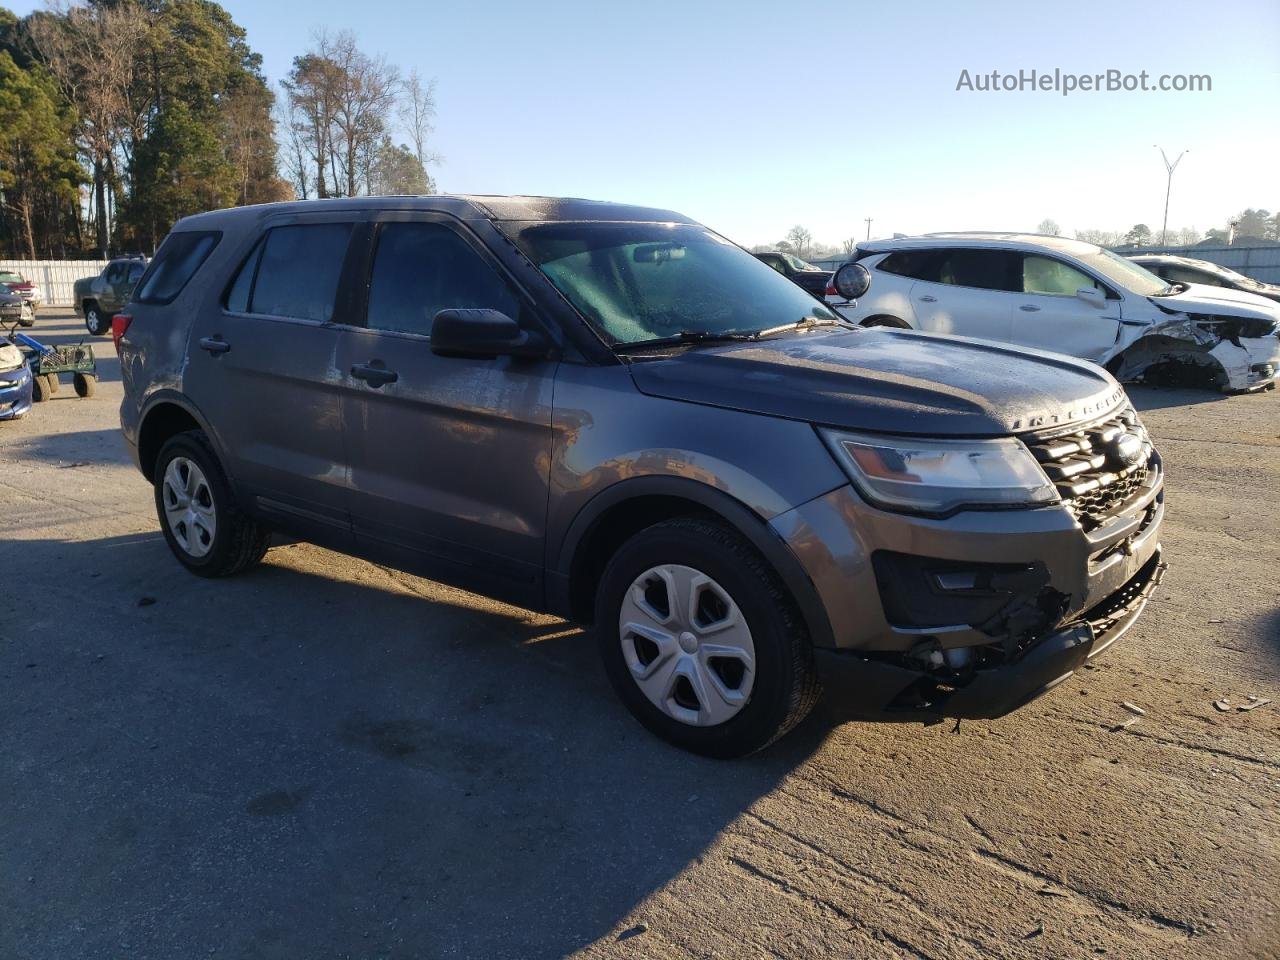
point(310, 94)
point(849, 246)
point(800, 239)
point(416, 113)
point(92, 52)
point(1103, 238)
point(341, 102)
point(365, 98)
point(293, 149)
point(1049, 228)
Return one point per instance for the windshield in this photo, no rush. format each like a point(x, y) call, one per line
point(1239, 278)
point(644, 281)
point(798, 264)
point(1125, 273)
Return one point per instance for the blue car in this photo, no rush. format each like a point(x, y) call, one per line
point(15, 382)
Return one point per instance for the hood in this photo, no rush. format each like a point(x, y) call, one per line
point(888, 381)
point(1202, 298)
point(11, 357)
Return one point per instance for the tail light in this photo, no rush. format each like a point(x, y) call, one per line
point(119, 324)
point(832, 291)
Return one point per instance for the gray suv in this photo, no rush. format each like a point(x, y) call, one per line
point(614, 414)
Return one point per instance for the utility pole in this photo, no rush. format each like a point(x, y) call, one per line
point(868, 228)
point(1168, 187)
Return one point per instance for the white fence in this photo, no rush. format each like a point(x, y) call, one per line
point(55, 278)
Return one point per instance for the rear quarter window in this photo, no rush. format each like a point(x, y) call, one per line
point(175, 263)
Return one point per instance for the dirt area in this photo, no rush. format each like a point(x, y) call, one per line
point(327, 758)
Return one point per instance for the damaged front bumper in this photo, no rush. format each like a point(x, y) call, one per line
point(1194, 350)
point(972, 615)
point(875, 687)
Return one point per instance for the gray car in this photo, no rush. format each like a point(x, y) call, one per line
point(614, 414)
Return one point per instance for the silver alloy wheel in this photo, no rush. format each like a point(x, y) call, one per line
point(91, 320)
point(687, 645)
point(188, 506)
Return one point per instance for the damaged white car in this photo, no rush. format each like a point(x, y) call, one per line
point(1070, 297)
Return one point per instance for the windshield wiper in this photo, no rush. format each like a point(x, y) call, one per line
point(806, 323)
point(685, 336)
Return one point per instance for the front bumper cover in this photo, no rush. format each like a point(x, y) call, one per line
point(874, 687)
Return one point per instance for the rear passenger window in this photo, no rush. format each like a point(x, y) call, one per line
point(293, 272)
point(420, 269)
point(916, 264)
point(983, 269)
point(176, 262)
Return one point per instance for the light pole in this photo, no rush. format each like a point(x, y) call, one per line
point(868, 228)
point(1168, 187)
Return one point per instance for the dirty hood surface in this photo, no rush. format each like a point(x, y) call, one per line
point(1202, 298)
point(888, 381)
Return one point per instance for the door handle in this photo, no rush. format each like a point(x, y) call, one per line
point(374, 376)
point(928, 299)
point(214, 345)
point(1029, 307)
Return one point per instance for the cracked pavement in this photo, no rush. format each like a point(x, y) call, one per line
point(326, 758)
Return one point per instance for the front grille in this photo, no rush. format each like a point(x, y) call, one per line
point(1087, 470)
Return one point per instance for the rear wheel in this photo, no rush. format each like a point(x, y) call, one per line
point(85, 384)
point(701, 641)
point(52, 380)
point(96, 320)
point(40, 389)
point(202, 523)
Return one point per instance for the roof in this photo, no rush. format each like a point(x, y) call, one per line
point(465, 207)
point(976, 238)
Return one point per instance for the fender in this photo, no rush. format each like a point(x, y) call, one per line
point(170, 397)
point(748, 523)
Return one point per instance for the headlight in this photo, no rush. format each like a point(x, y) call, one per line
point(941, 476)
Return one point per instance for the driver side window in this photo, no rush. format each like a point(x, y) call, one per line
point(420, 269)
point(1044, 275)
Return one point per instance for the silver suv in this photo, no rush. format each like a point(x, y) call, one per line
point(614, 414)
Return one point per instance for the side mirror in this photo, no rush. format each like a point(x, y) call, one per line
point(852, 281)
point(1092, 296)
point(483, 333)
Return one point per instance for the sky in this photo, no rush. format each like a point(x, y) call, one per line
point(753, 116)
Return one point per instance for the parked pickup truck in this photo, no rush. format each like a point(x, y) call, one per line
point(802, 274)
point(98, 298)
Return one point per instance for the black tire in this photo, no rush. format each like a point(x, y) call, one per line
point(95, 320)
point(886, 321)
point(785, 686)
point(40, 389)
point(27, 321)
point(239, 541)
point(85, 384)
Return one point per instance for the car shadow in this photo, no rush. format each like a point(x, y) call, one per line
point(1159, 398)
point(72, 447)
point(303, 762)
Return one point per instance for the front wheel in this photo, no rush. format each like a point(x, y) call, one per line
point(202, 523)
point(886, 321)
point(84, 384)
point(96, 320)
point(701, 640)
